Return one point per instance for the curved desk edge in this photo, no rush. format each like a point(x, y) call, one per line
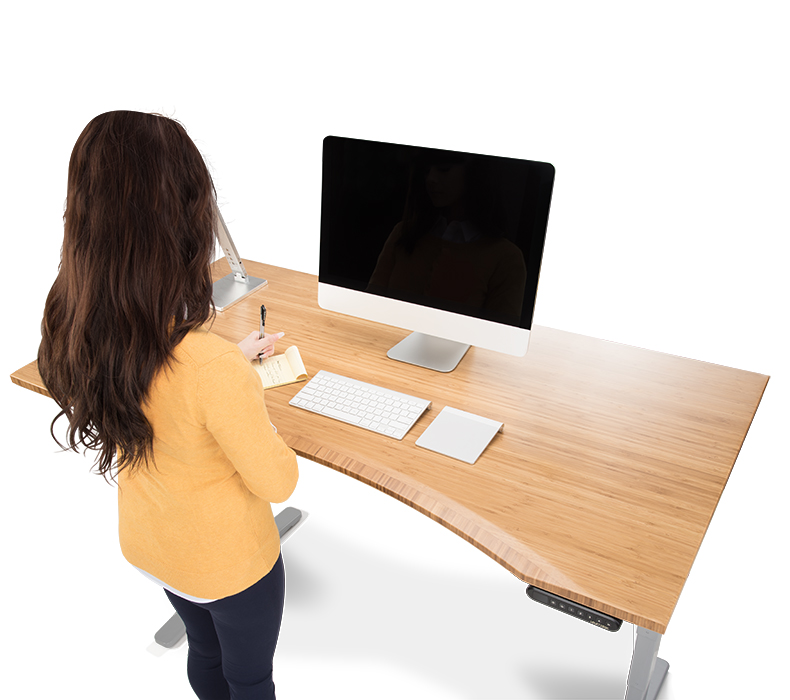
point(489, 539)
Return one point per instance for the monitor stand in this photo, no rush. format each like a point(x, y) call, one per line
point(238, 284)
point(429, 351)
point(234, 287)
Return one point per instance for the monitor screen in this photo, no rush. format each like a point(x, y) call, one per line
point(454, 231)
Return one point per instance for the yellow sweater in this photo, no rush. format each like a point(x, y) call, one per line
point(200, 517)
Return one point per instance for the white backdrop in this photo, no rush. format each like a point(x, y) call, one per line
point(668, 228)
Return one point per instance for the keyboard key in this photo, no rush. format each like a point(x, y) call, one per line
point(341, 415)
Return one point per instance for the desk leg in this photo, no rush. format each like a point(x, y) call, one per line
point(171, 633)
point(647, 670)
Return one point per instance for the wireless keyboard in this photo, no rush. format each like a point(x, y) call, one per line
point(366, 405)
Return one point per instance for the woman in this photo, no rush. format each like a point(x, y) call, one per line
point(175, 410)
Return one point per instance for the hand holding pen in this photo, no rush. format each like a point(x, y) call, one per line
point(258, 345)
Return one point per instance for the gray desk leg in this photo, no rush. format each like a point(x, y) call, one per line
point(647, 670)
point(173, 630)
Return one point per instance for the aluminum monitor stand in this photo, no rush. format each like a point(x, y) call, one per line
point(238, 284)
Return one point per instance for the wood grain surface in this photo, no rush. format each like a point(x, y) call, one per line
point(601, 486)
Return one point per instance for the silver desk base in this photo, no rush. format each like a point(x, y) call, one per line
point(647, 670)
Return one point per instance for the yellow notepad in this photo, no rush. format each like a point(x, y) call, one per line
point(277, 370)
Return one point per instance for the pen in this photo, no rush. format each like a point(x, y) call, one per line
point(263, 327)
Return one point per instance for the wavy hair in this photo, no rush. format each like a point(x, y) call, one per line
point(133, 280)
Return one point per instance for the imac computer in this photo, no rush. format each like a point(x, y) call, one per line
point(443, 243)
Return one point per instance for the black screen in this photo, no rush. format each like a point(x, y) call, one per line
point(456, 231)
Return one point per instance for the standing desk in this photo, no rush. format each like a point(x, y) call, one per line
point(601, 486)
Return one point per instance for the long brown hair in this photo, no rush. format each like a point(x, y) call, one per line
point(133, 280)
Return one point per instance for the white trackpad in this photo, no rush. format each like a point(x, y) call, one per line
point(459, 434)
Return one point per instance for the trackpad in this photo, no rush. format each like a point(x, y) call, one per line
point(459, 434)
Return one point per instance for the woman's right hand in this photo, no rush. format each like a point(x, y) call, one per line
point(254, 347)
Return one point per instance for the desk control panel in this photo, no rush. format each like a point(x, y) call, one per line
point(569, 607)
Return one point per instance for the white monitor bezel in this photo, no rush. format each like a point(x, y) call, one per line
point(481, 333)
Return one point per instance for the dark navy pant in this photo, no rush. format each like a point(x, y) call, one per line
point(232, 640)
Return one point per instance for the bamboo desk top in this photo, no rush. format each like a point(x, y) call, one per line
point(600, 488)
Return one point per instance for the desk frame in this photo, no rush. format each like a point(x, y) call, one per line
point(602, 485)
point(647, 671)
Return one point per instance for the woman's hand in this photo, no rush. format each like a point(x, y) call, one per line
point(253, 346)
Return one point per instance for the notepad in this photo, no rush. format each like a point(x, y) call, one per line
point(459, 434)
point(278, 370)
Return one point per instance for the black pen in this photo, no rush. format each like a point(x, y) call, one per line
point(263, 328)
